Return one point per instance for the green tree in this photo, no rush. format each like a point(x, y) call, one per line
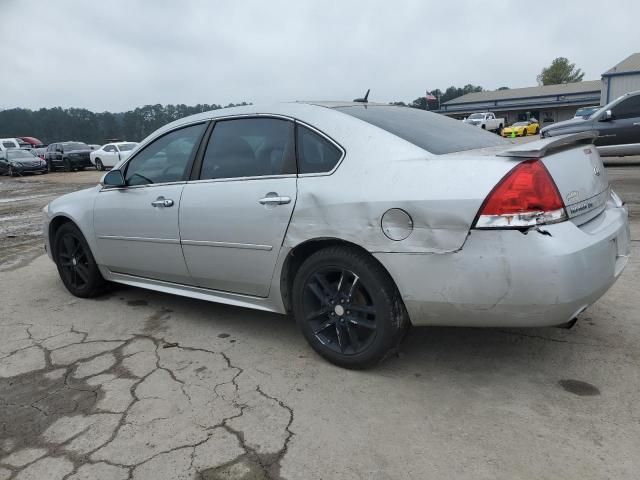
point(560, 71)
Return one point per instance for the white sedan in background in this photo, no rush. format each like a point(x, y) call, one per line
point(110, 154)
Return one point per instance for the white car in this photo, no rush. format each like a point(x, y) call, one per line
point(111, 154)
point(6, 144)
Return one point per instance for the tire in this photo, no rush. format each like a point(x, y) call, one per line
point(484, 127)
point(76, 265)
point(524, 132)
point(348, 308)
point(537, 131)
point(500, 130)
point(99, 165)
point(10, 172)
point(50, 166)
point(67, 165)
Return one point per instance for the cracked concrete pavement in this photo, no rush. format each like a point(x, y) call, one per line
point(141, 385)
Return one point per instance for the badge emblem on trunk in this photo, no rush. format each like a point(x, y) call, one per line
point(596, 170)
point(572, 195)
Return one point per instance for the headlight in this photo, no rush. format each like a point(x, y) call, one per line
point(16, 164)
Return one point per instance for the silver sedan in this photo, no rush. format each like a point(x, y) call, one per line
point(359, 219)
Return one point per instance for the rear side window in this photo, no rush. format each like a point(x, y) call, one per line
point(432, 132)
point(249, 147)
point(315, 153)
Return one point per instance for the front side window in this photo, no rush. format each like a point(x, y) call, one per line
point(249, 147)
point(629, 108)
point(165, 159)
point(9, 145)
point(109, 148)
point(316, 154)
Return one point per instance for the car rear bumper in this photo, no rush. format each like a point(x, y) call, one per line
point(508, 278)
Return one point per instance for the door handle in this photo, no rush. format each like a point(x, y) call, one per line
point(275, 200)
point(162, 202)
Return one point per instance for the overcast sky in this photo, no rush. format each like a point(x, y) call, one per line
point(118, 54)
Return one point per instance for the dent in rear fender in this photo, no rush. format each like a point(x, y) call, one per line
point(442, 196)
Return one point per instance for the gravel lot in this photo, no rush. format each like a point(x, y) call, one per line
point(141, 385)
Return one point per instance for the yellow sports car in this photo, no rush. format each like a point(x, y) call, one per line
point(521, 129)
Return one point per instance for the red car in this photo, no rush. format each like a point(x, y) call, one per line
point(33, 142)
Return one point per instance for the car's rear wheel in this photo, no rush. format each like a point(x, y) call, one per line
point(76, 265)
point(99, 165)
point(537, 131)
point(67, 165)
point(347, 307)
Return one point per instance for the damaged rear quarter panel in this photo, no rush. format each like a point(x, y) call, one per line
point(442, 194)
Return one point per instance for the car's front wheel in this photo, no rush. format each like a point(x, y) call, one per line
point(76, 265)
point(11, 172)
point(347, 307)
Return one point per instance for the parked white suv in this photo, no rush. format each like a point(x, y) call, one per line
point(6, 144)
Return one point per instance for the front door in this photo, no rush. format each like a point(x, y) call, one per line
point(234, 217)
point(137, 226)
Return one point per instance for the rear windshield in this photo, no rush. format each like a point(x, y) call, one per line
point(433, 132)
point(75, 146)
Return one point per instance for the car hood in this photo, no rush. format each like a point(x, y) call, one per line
point(574, 122)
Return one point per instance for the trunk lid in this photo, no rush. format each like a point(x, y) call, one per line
point(576, 168)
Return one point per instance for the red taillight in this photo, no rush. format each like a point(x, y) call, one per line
point(526, 196)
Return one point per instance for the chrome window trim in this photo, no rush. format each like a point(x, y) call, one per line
point(331, 140)
point(148, 185)
point(241, 179)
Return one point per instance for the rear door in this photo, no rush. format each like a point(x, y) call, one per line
point(234, 215)
point(136, 226)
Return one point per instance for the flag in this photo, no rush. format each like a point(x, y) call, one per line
point(430, 97)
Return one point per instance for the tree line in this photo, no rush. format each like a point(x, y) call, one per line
point(61, 124)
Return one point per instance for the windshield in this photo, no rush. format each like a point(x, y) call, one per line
point(75, 146)
point(476, 116)
point(585, 112)
point(19, 154)
point(125, 147)
point(521, 124)
point(430, 131)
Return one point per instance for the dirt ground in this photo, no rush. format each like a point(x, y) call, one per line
point(141, 385)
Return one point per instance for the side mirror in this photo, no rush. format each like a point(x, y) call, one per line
point(606, 116)
point(113, 179)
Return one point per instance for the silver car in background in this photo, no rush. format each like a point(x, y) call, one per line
point(359, 219)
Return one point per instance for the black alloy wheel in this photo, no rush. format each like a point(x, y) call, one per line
point(340, 310)
point(67, 165)
point(76, 265)
point(347, 307)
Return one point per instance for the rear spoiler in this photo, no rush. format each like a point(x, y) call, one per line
point(540, 148)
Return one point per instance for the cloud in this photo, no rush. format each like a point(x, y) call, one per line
point(120, 54)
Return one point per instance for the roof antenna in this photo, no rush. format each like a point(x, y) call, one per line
point(365, 99)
